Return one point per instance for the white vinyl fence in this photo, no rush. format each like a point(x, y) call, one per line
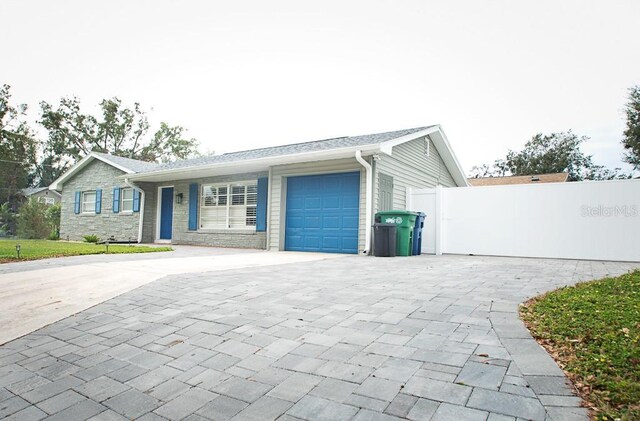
point(595, 220)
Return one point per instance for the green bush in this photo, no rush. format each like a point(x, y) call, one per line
point(7, 219)
point(91, 238)
point(53, 216)
point(32, 221)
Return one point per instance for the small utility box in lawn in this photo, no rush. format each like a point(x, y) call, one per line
point(405, 222)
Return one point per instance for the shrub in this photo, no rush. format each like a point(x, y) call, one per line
point(7, 219)
point(53, 216)
point(32, 222)
point(92, 238)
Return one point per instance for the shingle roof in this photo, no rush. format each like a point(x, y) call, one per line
point(520, 179)
point(33, 190)
point(133, 165)
point(318, 145)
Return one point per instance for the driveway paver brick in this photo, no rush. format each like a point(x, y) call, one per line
point(420, 338)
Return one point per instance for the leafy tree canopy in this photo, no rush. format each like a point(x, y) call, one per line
point(631, 140)
point(552, 153)
point(118, 130)
point(18, 149)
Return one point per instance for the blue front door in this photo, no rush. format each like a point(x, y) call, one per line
point(323, 213)
point(166, 213)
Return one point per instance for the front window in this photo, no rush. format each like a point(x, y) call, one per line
point(126, 201)
point(46, 200)
point(231, 205)
point(89, 201)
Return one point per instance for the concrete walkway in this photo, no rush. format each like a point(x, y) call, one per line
point(420, 338)
point(35, 294)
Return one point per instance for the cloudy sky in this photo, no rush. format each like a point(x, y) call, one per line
point(245, 74)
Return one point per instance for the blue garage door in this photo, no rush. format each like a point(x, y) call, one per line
point(323, 213)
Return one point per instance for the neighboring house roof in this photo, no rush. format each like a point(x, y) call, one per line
point(30, 191)
point(560, 177)
point(256, 160)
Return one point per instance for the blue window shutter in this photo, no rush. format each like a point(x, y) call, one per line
point(136, 200)
point(98, 200)
point(261, 207)
point(193, 206)
point(116, 199)
point(76, 204)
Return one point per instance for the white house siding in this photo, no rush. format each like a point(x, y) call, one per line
point(96, 175)
point(182, 234)
point(410, 167)
point(278, 195)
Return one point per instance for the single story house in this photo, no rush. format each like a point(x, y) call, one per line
point(314, 196)
point(560, 177)
point(42, 195)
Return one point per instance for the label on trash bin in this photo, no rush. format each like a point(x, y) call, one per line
point(397, 220)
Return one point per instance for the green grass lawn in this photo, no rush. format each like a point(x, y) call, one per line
point(593, 331)
point(40, 249)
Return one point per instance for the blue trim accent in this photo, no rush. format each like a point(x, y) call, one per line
point(261, 206)
point(193, 207)
point(116, 200)
point(166, 213)
point(76, 204)
point(136, 200)
point(98, 200)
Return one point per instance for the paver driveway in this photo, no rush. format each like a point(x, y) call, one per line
point(347, 338)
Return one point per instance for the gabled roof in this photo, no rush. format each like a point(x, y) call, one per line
point(255, 160)
point(560, 177)
point(295, 148)
point(126, 165)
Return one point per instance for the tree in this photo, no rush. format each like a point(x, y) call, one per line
point(119, 130)
point(631, 139)
point(18, 149)
point(553, 153)
point(33, 222)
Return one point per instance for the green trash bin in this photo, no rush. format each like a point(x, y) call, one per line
point(405, 222)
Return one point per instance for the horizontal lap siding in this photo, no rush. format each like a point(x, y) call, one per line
point(279, 174)
point(410, 167)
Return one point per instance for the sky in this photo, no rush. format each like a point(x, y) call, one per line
point(248, 74)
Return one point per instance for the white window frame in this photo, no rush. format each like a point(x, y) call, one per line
point(83, 201)
point(229, 206)
point(122, 200)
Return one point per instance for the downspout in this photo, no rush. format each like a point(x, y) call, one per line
point(368, 200)
point(142, 195)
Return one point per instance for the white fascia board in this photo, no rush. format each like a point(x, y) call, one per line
point(449, 157)
point(253, 165)
point(387, 146)
point(59, 182)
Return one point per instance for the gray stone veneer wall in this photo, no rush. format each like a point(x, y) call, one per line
point(96, 175)
point(181, 233)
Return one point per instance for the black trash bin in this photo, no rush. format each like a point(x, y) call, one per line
point(384, 240)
